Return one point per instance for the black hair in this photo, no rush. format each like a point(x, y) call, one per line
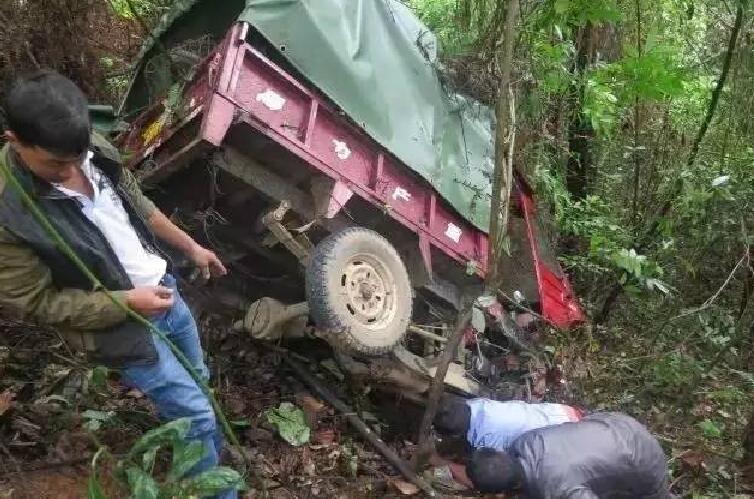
point(47, 110)
point(494, 472)
point(453, 417)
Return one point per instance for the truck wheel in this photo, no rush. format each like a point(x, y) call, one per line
point(359, 292)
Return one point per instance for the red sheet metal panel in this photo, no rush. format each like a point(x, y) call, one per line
point(301, 121)
point(402, 194)
point(557, 301)
point(242, 84)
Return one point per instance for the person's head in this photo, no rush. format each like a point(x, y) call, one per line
point(494, 472)
point(453, 417)
point(48, 124)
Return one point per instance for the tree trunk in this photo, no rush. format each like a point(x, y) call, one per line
point(580, 132)
point(504, 137)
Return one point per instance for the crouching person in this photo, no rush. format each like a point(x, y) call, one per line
point(481, 422)
point(605, 455)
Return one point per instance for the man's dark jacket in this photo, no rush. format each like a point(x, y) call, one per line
point(39, 282)
point(605, 455)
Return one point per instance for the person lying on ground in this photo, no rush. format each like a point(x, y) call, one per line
point(491, 423)
point(605, 455)
point(78, 182)
point(483, 422)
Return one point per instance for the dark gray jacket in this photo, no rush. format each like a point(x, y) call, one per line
point(605, 455)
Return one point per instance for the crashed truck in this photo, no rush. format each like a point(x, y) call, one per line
point(315, 147)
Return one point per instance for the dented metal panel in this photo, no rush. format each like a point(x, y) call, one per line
point(245, 87)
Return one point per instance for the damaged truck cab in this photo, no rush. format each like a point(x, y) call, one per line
point(316, 149)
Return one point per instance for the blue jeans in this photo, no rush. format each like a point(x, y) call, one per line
point(172, 389)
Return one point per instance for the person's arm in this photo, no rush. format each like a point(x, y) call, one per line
point(459, 474)
point(27, 290)
point(204, 259)
point(458, 471)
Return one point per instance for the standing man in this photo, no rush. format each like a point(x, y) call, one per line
point(78, 181)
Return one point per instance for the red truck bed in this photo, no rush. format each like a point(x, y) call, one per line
point(238, 84)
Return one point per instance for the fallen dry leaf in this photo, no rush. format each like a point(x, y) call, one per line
point(311, 407)
point(324, 436)
point(693, 459)
point(308, 402)
point(134, 394)
point(405, 488)
point(6, 401)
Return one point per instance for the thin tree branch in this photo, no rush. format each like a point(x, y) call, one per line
point(438, 387)
point(637, 116)
point(720, 84)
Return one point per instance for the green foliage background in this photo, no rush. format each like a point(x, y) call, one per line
point(635, 79)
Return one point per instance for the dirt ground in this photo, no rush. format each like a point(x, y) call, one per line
point(45, 448)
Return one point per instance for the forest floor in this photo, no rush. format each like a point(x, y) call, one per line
point(48, 399)
point(47, 442)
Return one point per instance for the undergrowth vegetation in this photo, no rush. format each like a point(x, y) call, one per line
point(634, 124)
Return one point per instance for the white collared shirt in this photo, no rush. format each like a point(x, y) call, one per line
point(105, 210)
point(497, 424)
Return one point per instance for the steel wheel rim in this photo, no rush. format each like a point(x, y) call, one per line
point(368, 289)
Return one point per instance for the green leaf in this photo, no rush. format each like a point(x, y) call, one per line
point(95, 419)
point(290, 423)
point(93, 425)
point(659, 285)
point(147, 460)
point(93, 487)
point(561, 6)
point(710, 429)
point(169, 433)
point(185, 456)
point(142, 485)
point(174, 98)
point(211, 482)
point(98, 377)
point(471, 267)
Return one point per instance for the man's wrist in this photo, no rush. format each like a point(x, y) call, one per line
point(191, 248)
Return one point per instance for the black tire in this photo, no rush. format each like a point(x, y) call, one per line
point(359, 292)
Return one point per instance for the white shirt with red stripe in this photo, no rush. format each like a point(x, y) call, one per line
point(497, 424)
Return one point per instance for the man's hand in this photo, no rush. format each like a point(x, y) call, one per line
point(150, 301)
point(207, 262)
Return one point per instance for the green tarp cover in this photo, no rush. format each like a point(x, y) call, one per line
point(375, 60)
